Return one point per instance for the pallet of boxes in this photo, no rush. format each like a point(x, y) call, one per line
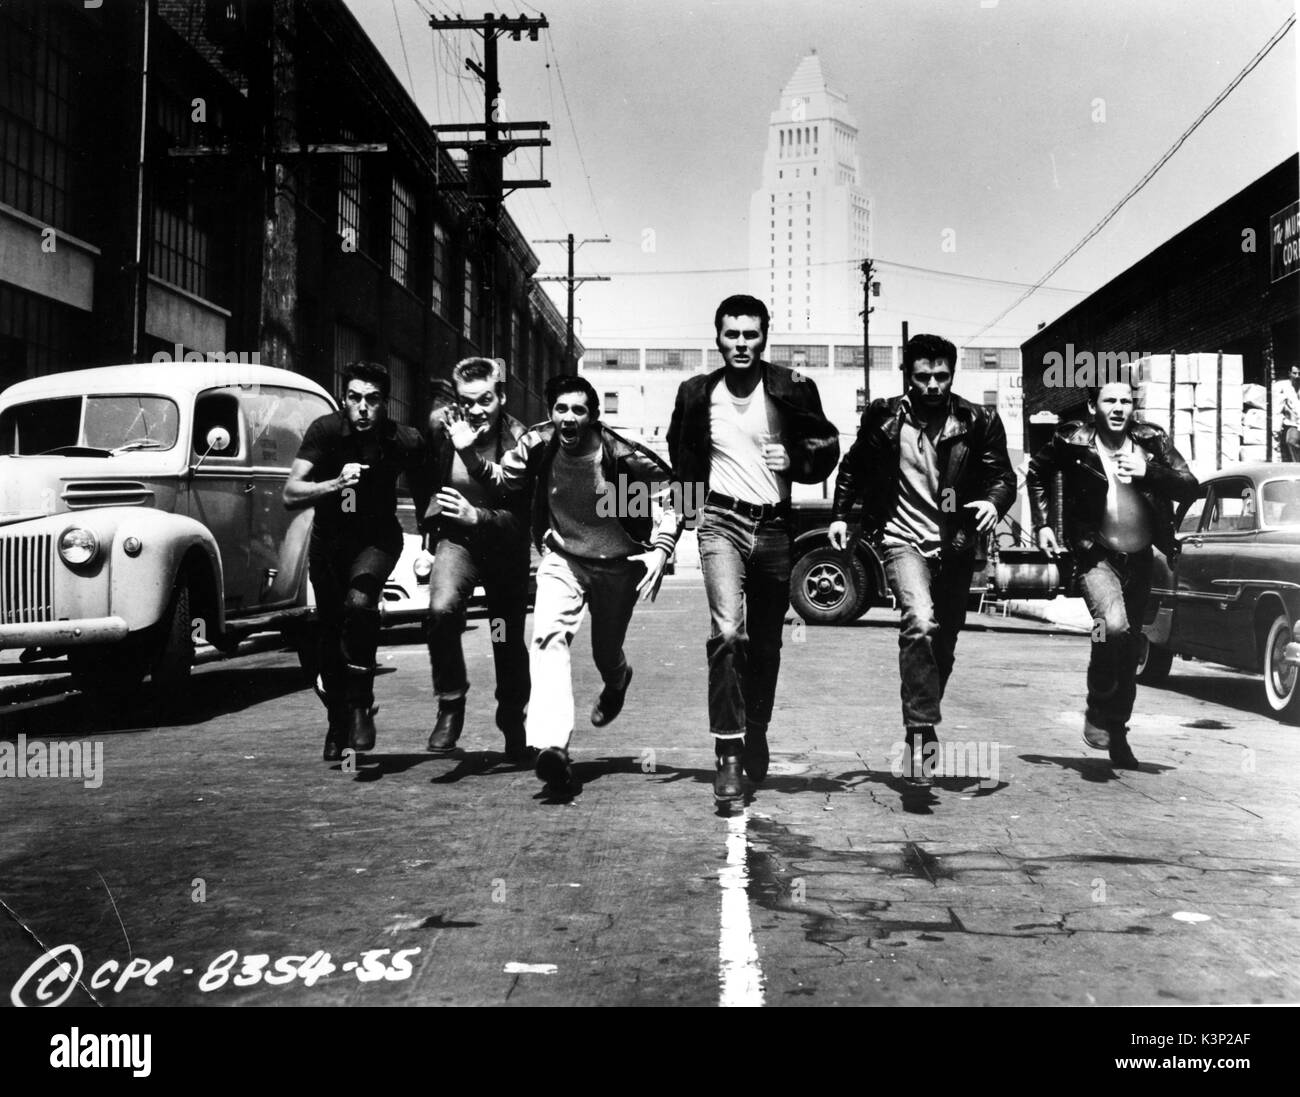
point(1200, 400)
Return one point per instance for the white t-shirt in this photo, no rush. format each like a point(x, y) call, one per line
point(1126, 526)
point(740, 428)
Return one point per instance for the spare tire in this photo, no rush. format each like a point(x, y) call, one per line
point(829, 587)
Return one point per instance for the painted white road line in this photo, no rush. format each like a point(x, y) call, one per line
point(739, 973)
point(516, 968)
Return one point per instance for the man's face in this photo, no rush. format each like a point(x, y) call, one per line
point(1114, 407)
point(480, 403)
point(365, 404)
point(572, 418)
point(741, 341)
point(1295, 376)
point(929, 382)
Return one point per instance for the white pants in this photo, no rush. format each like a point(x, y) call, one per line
point(566, 585)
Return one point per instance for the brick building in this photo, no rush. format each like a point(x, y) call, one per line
point(235, 231)
point(1222, 284)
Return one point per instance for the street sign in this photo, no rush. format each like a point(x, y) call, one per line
point(1284, 241)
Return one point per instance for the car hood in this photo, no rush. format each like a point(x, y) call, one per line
point(31, 487)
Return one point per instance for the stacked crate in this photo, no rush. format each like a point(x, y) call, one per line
point(1199, 400)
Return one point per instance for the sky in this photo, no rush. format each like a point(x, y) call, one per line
point(1003, 129)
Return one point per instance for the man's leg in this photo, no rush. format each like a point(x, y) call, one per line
point(557, 615)
point(767, 597)
point(725, 541)
point(1291, 444)
point(451, 582)
point(920, 654)
point(951, 599)
point(611, 590)
point(1103, 593)
point(369, 570)
point(328, 587)
point(1136, 582)
point(505, 581)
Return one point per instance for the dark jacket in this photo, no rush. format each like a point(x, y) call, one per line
point(527, 467)
point(1072, 452)
point(808, 436)
point(973, 463)
point(508, 516)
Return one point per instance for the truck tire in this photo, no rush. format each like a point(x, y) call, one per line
point(1153, 663)
point(1281, 680)
point(173, 647)
point(829, 587)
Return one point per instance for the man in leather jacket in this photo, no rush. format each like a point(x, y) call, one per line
point(738, 437)
point(479, 535)
point(1120, 479)
point(934, 475)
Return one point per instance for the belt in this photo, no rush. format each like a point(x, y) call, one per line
point(760, 511)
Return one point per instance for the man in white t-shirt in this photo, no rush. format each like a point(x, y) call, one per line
point(738, 437)
point(1120, 477)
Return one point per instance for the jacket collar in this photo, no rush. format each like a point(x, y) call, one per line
point(386, 432)
point(957, 423)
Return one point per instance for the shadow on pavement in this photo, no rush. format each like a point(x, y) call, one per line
point(1246, 695)
point(1098, 770)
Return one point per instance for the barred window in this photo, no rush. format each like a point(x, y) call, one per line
point(470, 312)
point(438, 291)
point(814, 356)
point(401, 397)
point(675, 358)
point(349, 347)
point(612, 358)
point(399, 233)
point(349, 227)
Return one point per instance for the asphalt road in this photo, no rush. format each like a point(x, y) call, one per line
point(219, 859)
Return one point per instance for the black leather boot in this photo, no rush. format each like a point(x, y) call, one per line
point(1121, 754)
point(337, 736)
point(755, 754)
point(448, 726)
point(361, 726)
point(728, 785)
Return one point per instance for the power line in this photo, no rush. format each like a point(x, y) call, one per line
point(573, 127)
point(1250, 66)
point(410, 80)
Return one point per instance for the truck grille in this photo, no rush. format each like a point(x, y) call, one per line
point(26, 578)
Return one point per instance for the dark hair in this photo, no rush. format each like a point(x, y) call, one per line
point(932, 347)
point(1094, 391)
point(480, 369)
point(561, 383)
point(741, 304)
point(372, 373)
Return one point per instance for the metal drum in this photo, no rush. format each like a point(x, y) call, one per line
point(1027, 573)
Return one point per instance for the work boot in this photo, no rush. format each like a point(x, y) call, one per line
point(517, 749)
point(361, 726)
point(1094, 735)
point(755, 754)
point(1121, 755)
point(728, 785)
point(448, 726)
point(918, 738)
point(337, 736)
point(553, 767)
point(610, 702)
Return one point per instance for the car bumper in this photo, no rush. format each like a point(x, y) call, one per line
point(88, 630)
point(1291, 654)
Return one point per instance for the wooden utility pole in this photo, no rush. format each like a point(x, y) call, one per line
point(868, 289)
point(572, 280)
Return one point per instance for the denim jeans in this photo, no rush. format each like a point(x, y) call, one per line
point(566, 586)
point(746, 565)
point(348, 576)
point(932, 593)
point(1115, 589)
point(460, 563)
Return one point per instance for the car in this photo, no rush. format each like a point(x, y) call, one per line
point(141, 513)
point(1233, 596)
point(406, 592)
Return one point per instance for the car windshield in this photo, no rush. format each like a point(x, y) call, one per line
point(1281, 499)
point(118, 423)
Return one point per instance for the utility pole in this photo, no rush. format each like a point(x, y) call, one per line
point(572, 280)
point(869, 289)
point(487, 154)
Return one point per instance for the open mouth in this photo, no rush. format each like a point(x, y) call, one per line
point(568, 435)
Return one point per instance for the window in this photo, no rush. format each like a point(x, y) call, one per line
point(611, 403)
point(349, 347)
point(401, 395)
point(1281, 500)
point(399, 233)
point(1232, 507)
point(662, 358)
point(469, 317)
point(1191, 518)
point(441, 270)
point(349, 227)
point(612, 358)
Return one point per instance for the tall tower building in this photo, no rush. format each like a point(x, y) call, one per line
point(810, 221)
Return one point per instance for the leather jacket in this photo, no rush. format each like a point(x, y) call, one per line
point(507, 518)
point(809, 437)
point(973, 463)
point(528, 466)
point(1073, 453)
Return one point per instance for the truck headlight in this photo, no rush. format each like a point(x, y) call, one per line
point(78, 547)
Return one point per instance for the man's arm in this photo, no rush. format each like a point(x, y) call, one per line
point(999, 479)
point(662, 482)
point(675, 427)
point(511, 473)
point(814, 455)
point(300, 492)
point(1043, 467)
point(1170, 475)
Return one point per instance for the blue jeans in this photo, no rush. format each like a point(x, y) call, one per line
point(1115, 589)
point(459, 564)
point(746, 565)
point(932, 593)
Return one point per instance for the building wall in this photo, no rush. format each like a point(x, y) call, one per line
point(1204, 290)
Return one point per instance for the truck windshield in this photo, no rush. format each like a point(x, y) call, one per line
point(109, 423)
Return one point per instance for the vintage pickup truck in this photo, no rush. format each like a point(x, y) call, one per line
point(141, 512)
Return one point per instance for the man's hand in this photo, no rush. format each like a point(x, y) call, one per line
point(986, 515)
point(775, 456)
point(350, 474)
point(838, 532)
point(1131, 465)
point(462, 435)
point(655, 561)
point(456, 508)
point(1048, 543)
